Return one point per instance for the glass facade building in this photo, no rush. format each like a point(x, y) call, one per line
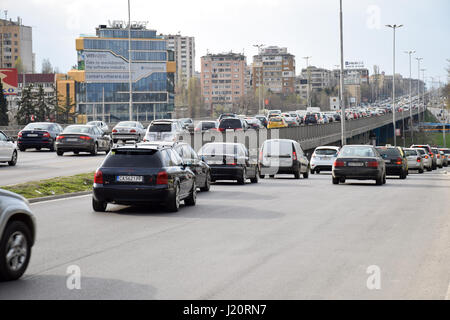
point(104, 61)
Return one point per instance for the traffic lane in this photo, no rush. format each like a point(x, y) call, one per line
point(37, 165)
point(280, 239)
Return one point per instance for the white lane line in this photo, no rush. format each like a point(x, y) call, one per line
point(447, 296)
point(70, 198)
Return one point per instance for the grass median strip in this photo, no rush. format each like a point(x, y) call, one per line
point(54, 186)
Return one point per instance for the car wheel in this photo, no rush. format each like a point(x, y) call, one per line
point(15, 251)
point(53, 146)
point(256, 178)
point(335, 180)
point(297, 174)
point(22, 149)
point(192, 199)
point(207, 185)
point(114, 141)
point(13, 161)
point(76, 152)
point(38, 149)
point(261, 176)
point(429, 169)
point(312, 171)
point(420, 170)
point(173, 204)
point(95, 150)
point(306, 174)
point(241, 179)
point(60, 153)
point(99, 206)
point(384, 179)
point(379, 181)
point(272, 176)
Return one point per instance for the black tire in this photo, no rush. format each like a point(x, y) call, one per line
point(272, 176)
point(241, 179)
point(318, 171)
point(384, 179)
point(60, 153)
point(38, 148)
point(173, 203)
point(13, 230)
point(192, 199)
point(429, 169)
point(262, 176)
point(114, 141)
point(335, 180)
point(53, 147)
point(13, 161)
point(255, 179)
point(207, 185)
point(76, 152)
point(312, 171)
point(22, 149)
point(99, 206)
point(379, 181)
point(421, 170)
point(297, 174)
point(306, 174)
point(403, 175)
point(94, 151)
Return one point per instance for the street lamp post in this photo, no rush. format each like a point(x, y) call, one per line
point(259, 46)
point(418, 83)
point(130, 111)
point(394, 27)
point(309, 80)
point(341, 78)
point(410, 95)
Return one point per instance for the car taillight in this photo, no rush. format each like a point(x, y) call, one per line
point(162, 178)
point(438, 156)
point(132, 131)
point(260, 156)
point(372, 164)
point(294, 156)
point(19, 135)
point(46, 135)
point(432, 155)
point(114, 131)
point(85, 138)
point(426, 157)
point(419, 160)
point(60, 137)
point(98, 178)
point(221, 129)
point(399, 161)
point(339, 163)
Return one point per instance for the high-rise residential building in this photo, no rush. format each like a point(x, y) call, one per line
point(301, 87)
point(223, 78)
point(320, 78)
point(274, 68)
point(102, 87)
point(184, 48)
point(16, 41)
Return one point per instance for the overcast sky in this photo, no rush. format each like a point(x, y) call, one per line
point(305, 27)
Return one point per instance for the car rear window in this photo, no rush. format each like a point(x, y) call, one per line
point(390, 152)
point(221, 149)
point(410, 153)
point(133, 159)
point(353, 151)
point(208, 125)
point(230, 124)
point(38, 126)
point(126, 124)
point(77, 129)
point(277, 148)
point(160, 127)
point(423, 147)
point(326, 152)
point(421, 151)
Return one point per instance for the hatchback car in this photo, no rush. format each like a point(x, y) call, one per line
point(323, 158)
point(17, 235)
point(415, 160)
point(396, 163)
point(430, 153)
point(311, 118)
point(282, 156)
point(143, 175)
point(38, 135)
point(230, 161)
point(360, 162)
point(276, 122)
point(426, 159)
point(446, 154)
point(128, 131)
point(164, 130)
point(83, 138)
point(8, 150)
point(439, 158)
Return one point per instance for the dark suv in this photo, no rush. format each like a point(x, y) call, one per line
point(311, 118)
point(232, 124)
point(396, 162)
point(144, 174)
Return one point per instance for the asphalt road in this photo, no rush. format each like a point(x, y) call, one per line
point(279, 239)
point(36, 165)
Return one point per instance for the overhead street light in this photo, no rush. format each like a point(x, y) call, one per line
point(309, 80)
point(394, 27)
point(418, 82)
point(341, 80)
point(411, 52)
point(261, 78)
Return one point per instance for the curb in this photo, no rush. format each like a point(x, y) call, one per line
point(59, 196)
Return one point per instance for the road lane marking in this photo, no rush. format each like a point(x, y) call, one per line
point(69, 198)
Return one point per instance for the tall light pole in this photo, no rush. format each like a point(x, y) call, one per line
point(130, 111)
point(410, 95)
point(394, 27)
point(309, 80)
point(423, 91)
point(341, 78)
point(418, 83)
point(259, 46)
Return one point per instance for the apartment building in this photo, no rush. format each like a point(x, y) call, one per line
point(16, 41)
point(320, 78)
point(274, 68)
point(223, 78)
point(184, 48)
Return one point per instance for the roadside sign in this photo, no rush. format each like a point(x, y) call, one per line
point(8, 77)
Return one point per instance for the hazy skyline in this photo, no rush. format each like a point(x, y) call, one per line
point(306, 28)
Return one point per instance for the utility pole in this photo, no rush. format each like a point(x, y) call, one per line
point(418, 84)
point(130, 114)
point(410, 95)
point(341, 80)
point(394, 27)
point(260, 88)
point(309, 81)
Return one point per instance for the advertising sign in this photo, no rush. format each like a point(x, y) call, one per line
point(334, 103)
point(106, 67)
point(354, 64)
point(8, 77)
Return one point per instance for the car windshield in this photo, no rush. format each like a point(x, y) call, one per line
point(213, 149)
point(38, 126)
point(277, 148)
point(326, 152)
point(126, 124)
point(390, 152)
point(133, 159)
point(160, 127)
point(77, 129)
point(356, 151)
